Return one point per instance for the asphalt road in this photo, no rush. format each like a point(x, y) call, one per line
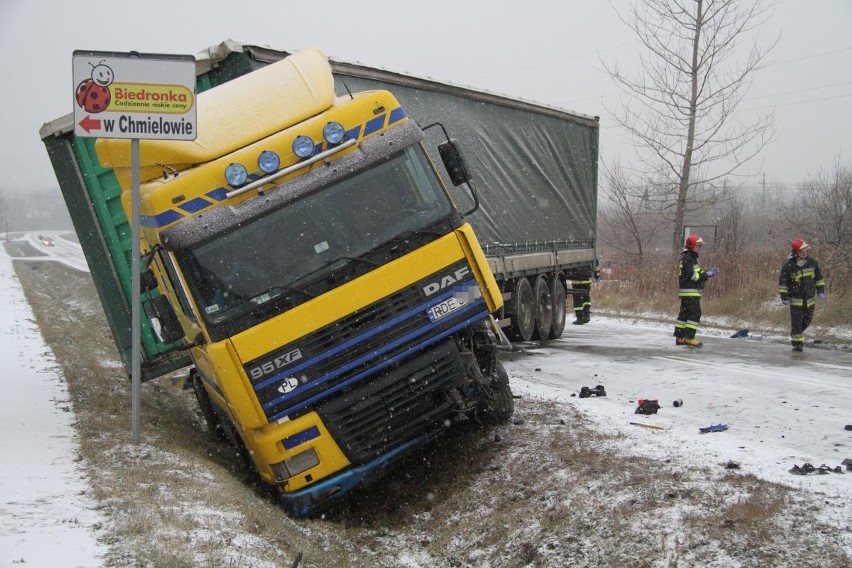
point(782, 407)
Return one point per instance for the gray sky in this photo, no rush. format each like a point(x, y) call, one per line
point(545, 51)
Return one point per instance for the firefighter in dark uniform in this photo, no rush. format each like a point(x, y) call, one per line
point(581, 279)
point(691, 279)
point(799, 281)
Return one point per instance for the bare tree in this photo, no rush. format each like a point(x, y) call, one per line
point(680, 108)
point(629, 220)
point(822, 210)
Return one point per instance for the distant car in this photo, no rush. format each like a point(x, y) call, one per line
point(46, 241)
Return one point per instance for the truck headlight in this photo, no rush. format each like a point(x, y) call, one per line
point(333, 133)
point(268, 161)
point(295, 465)
point(303, 146)
point(236, 175)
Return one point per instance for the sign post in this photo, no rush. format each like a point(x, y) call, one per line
point(134, 96)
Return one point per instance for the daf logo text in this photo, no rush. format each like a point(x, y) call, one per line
point(446, 281)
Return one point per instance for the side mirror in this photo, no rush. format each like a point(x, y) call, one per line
point(453, 162)
point(163, 320)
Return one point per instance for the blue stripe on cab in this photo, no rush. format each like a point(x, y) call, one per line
point(164, 218)
point(396, 115)
point(374, 125)
point(195, 205)
point(291, 442)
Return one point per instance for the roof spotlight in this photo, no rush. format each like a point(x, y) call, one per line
point(236, 175)
point(268, 161)
point(303, 146)
point(333, 133)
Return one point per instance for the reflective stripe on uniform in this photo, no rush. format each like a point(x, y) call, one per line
point(689, 293)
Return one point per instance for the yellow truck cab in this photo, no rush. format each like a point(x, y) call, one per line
point(337, 309)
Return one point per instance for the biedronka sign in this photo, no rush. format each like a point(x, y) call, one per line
point(128, 95)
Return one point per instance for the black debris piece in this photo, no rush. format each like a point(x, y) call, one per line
point(586, 392)
point(647, 406)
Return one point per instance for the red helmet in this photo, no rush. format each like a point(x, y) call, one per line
point(798, 244)
point(693, 241)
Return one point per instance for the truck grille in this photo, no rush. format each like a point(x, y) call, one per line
point(395, 406)
point(366, 348)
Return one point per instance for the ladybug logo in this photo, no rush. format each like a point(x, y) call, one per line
point(93, 94)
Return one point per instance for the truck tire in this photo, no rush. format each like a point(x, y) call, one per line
point(557, 295)
point(499, 403)
point(543, 308)
point(523, 314)
point(214, 424)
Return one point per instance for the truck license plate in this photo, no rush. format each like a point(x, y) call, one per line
point(447, 307)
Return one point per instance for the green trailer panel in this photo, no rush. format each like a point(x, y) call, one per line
point(93, 198)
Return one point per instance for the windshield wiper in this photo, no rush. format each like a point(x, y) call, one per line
point(400, 239)
point(368, 262)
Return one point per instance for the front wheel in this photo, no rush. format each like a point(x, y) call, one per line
point(214, 423)
point(499, 403)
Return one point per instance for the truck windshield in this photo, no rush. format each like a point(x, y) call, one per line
point(277, 261)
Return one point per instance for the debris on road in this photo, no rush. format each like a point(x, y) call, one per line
point(652, 426)
point(713, 428)
point(586, 392)
point(807, 469)
point(647, 406)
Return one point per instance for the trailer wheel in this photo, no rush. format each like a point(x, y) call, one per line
point(523, 316)
point(557, 294)
point(543, 308)
point(498, 398)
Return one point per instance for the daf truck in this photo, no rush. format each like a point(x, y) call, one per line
point(306, 261)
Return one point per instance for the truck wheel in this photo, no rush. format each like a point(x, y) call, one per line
point(557, 294)
point(213, 422)
point(543, 308)
point(498, 399)
point(523, 316)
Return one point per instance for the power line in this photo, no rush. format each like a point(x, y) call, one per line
point(771, 95)
point(800, 102)
point(812, 56)
point(800, 91)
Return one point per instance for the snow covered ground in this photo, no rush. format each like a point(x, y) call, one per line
point(46, 517)
point(781, 409)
